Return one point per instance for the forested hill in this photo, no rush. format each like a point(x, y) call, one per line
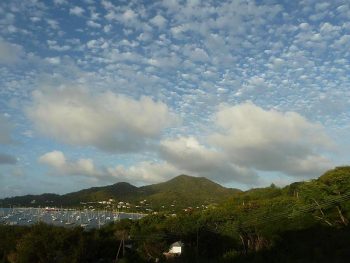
point(181, 192)
point(186, 191)
point(302, 222)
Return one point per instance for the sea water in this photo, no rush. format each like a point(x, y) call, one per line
point(63, 217)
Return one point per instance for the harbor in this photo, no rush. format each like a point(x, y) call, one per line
point(63, 217)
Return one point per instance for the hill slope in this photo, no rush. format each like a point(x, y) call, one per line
point(183, 190)
point(116, 191)
point(187, 191)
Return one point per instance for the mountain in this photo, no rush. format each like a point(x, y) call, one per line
point(302, 222)
point(180, 192)
point(118, 191)
point(28, 200)
point(187, 190)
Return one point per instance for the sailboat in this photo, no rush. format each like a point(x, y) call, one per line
point(68, 220)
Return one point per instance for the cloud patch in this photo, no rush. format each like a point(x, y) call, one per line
point(9, 53)
point(142, 172)
point(7, 159)
point(269, 140)
point(107, 121)
point(58, 161)
point(188, 154)
point(248, 139)
point(76, 10)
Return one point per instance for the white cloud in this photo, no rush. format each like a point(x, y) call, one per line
point(129, 15)
point(257, 81)
point(107, 28)
point(53, 23)
point(271, 141)
point(144, 172)
point(55, 159)
point(145, 37)
point(342, 42)
point(129, 18)
point(198, 54)
point(93, 24)
point(111, 15)
point(78, 11)
point(52, 44)
point(277, 64)
point(322, 6)
point(62, 166)
point(187, 154)
point(107, 121)
point(171, 61)
point(158, 21)
point(9, 53)
point(328, 28)
point(304, 26)
point(53, 60)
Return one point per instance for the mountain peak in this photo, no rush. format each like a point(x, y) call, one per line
point(183, 190)
point(124, 184)
point(186, 184)
point(185, 177)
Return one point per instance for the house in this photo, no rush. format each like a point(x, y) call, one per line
point(175, 250)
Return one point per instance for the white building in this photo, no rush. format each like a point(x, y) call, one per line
point(176, 248)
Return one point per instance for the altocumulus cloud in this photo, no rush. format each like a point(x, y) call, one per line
point(9, 53)
point(269, 140)
point(107, 121)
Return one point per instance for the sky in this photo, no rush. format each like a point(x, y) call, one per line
point(246, 93)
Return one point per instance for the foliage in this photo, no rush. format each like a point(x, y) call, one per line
point(174, 195)
point(302, 222)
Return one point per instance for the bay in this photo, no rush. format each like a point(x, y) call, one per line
point(63, 217)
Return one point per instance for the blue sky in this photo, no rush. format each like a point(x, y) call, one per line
point(246, 93)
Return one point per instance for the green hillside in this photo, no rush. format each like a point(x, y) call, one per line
point(302, 222)
point(187, 191)
point(178, 193)
point(118, 191)
point(28, 200)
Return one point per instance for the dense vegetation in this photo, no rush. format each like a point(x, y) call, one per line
point(181, 192)
point(303, 222)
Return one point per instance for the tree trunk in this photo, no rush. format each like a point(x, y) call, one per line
point(342, 217)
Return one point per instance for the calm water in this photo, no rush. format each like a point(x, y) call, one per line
point(62, 217)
